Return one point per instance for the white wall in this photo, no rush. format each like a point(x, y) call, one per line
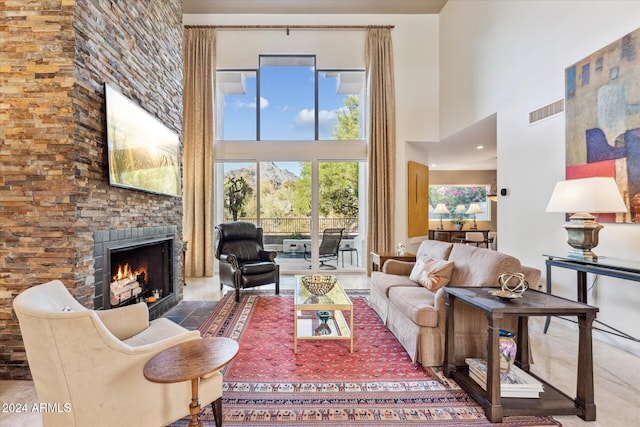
point(508, 57)
point(415, 49)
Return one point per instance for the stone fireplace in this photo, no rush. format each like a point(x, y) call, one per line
point(59, 212)
point(134, 265)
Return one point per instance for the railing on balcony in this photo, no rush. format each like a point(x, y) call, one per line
point(301, 227)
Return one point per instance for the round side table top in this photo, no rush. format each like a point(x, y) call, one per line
point(190, 360)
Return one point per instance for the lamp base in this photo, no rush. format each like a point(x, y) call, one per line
point(582, 236)
point(582, 255)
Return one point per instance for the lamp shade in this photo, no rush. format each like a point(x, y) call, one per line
point(593, 195)
point(441, 209)
point(460, 209)
point(474, 208)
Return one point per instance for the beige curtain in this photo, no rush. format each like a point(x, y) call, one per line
point(199, 69)
point(382, 143)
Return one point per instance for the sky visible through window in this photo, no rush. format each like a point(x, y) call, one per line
point(287, 106)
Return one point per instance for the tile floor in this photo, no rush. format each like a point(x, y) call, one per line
point(191, 314)
point(616, 373)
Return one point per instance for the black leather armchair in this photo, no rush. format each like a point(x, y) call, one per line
point(243, 261)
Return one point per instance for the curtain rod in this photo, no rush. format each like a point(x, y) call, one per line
point(291, 27)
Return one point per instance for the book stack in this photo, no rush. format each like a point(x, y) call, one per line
point(515, 383)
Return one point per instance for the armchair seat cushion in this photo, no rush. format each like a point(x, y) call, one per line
point(251, 268)
point(158, 330)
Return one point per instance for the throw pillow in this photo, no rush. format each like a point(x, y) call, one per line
point(432, 273)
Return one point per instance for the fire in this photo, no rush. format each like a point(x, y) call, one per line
point(125, 272)
point(125, 285)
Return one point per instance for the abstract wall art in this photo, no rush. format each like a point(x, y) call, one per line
point(602, 111)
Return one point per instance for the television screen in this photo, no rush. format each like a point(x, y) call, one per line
point(143, 153)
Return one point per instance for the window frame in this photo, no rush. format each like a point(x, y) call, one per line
point(486, 204)
point(219, 102)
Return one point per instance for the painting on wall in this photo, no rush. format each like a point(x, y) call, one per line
point(602, 110)
point(143, 153)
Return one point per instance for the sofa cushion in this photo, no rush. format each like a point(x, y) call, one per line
point(480, 266)
point(415, 302)
point(382, 282)
point(432, 273)
point(434, 249)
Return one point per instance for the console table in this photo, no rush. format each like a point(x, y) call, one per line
point(450, 235)
point(612, 267)
point(551, 401)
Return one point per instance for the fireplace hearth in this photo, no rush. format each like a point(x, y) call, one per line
point(136, 265)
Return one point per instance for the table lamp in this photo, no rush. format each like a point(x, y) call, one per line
point(583, 197)
point(474, 209)
point(441, 209)
point(460, 209)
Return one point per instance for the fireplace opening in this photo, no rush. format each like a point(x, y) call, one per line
point(127, 283)
point(140, 273)
point(136, 265)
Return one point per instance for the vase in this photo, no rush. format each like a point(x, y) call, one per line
point(508, 348)
point(323, 328)
point(459, 226)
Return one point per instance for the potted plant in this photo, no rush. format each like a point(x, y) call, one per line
point(458, 222)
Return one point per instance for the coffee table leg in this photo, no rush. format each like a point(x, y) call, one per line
point(295, 331)
point(351, 329)
point(194, 407)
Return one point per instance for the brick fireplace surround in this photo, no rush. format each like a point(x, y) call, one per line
point(55, 196)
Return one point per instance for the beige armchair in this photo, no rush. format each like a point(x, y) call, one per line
point(90, 362)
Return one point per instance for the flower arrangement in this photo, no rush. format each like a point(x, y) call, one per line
point(459, 220)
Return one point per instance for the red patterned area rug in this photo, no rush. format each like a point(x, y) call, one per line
point(325, 384)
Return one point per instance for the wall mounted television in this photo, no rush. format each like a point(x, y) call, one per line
point(143, 153)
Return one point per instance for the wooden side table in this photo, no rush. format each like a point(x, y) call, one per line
point(551, 401)
point(189, 361)
point(378, 259)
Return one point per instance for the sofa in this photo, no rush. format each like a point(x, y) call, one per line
point(415, 314)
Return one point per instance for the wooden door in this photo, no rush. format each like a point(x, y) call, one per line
point(418, 200)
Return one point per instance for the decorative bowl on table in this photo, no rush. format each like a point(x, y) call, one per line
point(505, 295)
point(318, 284)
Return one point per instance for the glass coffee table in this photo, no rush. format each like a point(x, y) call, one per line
point(321, 317)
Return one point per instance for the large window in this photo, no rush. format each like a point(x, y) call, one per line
point(290, 156)
point(461, 201)
point(279, 197)
point(288, 99)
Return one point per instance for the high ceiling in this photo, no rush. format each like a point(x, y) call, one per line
point(456, 152)
point(314, 6)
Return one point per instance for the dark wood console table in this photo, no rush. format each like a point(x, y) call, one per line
point(450, 235)
point(551, 401)
point(612, 267)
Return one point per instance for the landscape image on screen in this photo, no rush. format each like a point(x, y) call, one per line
point(143, 153)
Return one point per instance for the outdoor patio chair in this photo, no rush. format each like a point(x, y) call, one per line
point(243, 261)
point(329, 247)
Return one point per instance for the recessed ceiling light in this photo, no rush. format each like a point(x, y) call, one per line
point(479, 147)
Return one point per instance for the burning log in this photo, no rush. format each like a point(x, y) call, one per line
point(125, 285)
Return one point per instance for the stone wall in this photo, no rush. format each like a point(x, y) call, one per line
point(55, 58)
